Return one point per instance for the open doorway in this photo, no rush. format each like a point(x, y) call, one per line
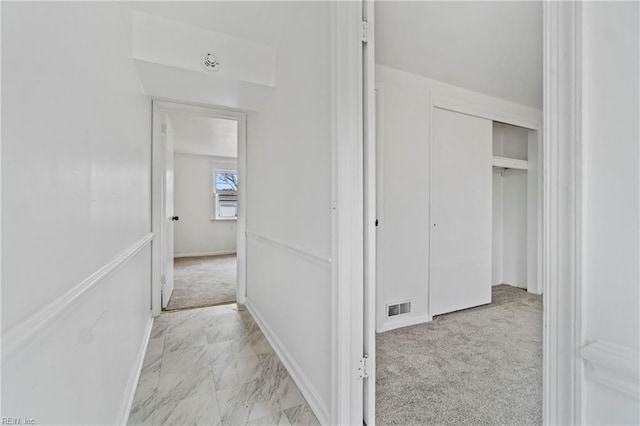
point(459, 305)
point(205, 206)
point(199, 206)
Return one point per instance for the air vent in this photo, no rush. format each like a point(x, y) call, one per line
point(399, 308)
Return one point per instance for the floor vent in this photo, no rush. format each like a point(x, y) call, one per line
point(398, 309)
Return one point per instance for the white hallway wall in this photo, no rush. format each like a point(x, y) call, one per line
point(76, 193)
point(289, 197)
point(403, 150)
point(611, 212)
point(195, 234)
point(288, 186)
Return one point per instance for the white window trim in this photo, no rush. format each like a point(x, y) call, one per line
point(214, 194)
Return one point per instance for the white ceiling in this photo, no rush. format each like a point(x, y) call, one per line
point(490, 47)
point(259, 21)
point(204, 135)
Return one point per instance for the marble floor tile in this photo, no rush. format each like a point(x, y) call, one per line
point(277, 419)
point(201, 409)
point(226, 332)
point(273, 368)
point(301, 416)
point(155, 347)
point(174, 387)
point(235, 409)
point(260, 344)
point(177, 341)
point(144, 401)
point(214, 321)
point(258, 398)
point(213, 366)
point(230, 347)
point(187, 361)
point(184, 322)
point(250, 326)
point(288, 395)
point(137, 418)
point(232, 371)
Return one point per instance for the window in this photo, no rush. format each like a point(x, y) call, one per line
point(225, 195)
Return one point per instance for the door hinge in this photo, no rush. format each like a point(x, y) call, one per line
point(365, 31)
point(363, 367)
point(163, 279)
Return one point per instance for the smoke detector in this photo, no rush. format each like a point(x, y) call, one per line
point(211, 62)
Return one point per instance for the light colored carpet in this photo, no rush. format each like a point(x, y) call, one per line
point(472, 367)
point(203, 281)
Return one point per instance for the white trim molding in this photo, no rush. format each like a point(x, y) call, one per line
point(512, 117)
point(347, 221)
point(380, 194)
point(563, 372)
point(393, 323)
point(301, 380)
point(202, 254)
point(18, 335)
point(134, 377)
point(614, 366)
point(323, 261)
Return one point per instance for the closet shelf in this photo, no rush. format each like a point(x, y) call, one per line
point(510, 163)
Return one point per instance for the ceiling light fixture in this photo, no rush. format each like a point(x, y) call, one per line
point(211, 62)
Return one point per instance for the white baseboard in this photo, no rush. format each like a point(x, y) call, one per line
point(134, 377)
point(393, 323)
point(301, 380)
point(202, 254)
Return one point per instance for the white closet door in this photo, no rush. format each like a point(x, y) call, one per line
point(460, 261)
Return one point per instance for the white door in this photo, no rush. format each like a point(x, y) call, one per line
point(460, 260)
point(369, 111)
point(167, 248)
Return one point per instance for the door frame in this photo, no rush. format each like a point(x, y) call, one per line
point(370, 210)
point(347, 222)
point(158, 169)
point(560, 159)
point(564, 334)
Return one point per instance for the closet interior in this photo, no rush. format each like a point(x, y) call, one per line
point(510, 183)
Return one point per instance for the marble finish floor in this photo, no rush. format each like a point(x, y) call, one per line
point(213, 366)
point(203, 281)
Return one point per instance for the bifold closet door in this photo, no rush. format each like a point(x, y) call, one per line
point(460, 260)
